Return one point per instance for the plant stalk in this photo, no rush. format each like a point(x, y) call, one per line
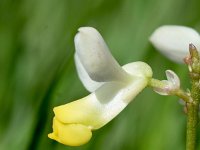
point(192, 117)
point(193, 106)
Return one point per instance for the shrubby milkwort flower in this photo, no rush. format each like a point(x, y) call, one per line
point(112, 87)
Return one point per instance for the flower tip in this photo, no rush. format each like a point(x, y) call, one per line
point(191, 46)
point(193, 50)
point(156, 34)
point(173, 78)
point(86, 36)
point(87, 29)
point(51, 136)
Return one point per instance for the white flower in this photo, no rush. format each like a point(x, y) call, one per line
point(172, 84)
point(112, 87)
point(173, 41)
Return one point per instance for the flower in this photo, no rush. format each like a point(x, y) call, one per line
point(171, 85)
point(172, 41)
point(112, 87)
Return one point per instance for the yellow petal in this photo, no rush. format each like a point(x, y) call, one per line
point(70, 134)
point(85, 111)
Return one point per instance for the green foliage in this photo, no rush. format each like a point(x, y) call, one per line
point(37, 70)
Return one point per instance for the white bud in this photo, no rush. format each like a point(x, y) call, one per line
point(170, 85)
point(173, 41)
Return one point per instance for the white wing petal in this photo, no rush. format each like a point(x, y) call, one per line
point(95, 56)
point(89, 84)
point(173, 41)
point(101, 106)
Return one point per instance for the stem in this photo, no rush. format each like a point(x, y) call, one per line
point(192, 119)
point(180, 93)
point(155, 83)
point(193, 107)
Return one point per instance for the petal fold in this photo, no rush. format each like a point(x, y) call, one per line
point(173, 78)
point(88, 83)
point(95, 57)
point(173, 41)
point(70, 134)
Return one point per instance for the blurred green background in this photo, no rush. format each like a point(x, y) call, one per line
point(37, 70)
